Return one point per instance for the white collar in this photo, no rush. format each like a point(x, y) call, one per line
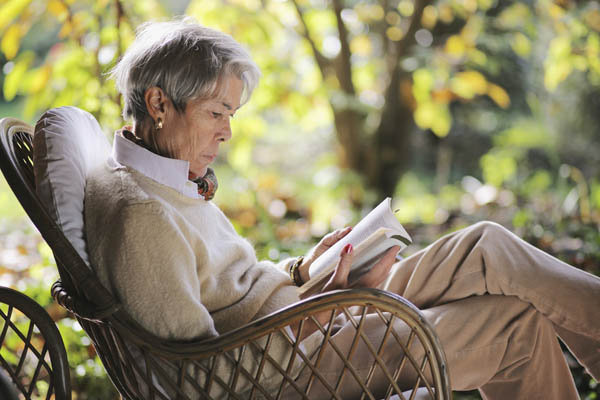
point(167, 171)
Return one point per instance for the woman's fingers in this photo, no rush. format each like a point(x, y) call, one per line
point(332, 238)
point(380, 271)
point(326, 242)
point(339, 279)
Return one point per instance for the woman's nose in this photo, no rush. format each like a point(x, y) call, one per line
point(225, 131)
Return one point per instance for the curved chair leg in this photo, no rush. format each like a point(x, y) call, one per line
point(43, 355)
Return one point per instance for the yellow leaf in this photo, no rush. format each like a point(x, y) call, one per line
point(424, 115)
point(485, 4)
point(446, 14)
point(592, 48)
point(477, 56)
point(39, 79)
point(10, 10)
point(556, 11)
point(470, 5)
point(377, 12)
point(12, 81)
point(468, 84)
point(268, 181)
point(521, 44)
point(394, 33)
point(592, 18)
point(434, 116)
point(455, 46)
point(65, 30)
point(555, 73)
point(498, 95)
point(423, 81)
point(58, 9)
point(406, 8)
point(513, 16)
point(442, 122)
point(443, 96)
point(361, 45)
point(369, 12)
point(560, 47)
point(392, 18)
point(430, 16)
point(11, 41)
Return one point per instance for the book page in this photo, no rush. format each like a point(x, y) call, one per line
point(380, 217)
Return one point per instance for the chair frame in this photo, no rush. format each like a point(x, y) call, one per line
point(109, 326)
point(57, 367)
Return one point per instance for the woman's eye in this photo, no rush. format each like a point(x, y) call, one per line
point(216, 114)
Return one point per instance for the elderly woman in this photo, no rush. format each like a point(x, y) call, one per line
point(179, 268)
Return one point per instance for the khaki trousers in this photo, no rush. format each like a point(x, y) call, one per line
point(498, 305)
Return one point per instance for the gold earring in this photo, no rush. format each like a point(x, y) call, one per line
point(159, 124)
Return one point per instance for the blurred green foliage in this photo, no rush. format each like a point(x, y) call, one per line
point(494, 107)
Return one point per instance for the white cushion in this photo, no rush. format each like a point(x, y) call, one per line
point(67, 144)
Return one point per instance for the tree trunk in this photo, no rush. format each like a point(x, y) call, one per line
point(391, 144)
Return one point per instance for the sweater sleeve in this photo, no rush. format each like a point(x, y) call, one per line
point(151, 267)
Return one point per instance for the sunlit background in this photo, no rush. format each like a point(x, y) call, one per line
point(460, 110)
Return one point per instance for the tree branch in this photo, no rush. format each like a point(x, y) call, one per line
point(390, 55)
point(322, 62)
point(415, 24)
point(344, 64)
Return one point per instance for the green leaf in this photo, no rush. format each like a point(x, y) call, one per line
point(498, 166)
point(525, 134)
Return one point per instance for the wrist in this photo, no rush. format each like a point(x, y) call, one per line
point(295, 274)
point(304, 267)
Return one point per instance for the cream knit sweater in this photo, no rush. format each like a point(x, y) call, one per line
point(175, 263)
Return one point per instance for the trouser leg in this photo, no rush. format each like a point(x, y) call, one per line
point(488, 259)
point(504, 347)
point(497, 343)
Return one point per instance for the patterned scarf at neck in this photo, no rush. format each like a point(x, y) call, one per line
point(207, 184)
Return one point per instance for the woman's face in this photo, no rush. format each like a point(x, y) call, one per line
point(204, 125)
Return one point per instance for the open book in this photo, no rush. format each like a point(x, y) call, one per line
point(371, 237)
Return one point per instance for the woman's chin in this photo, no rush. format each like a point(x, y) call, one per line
point(198, 173)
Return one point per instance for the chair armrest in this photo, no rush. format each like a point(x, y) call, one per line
point(120, 335)
point(374, 298)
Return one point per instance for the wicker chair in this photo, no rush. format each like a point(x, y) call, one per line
point(144, 366)
point(36, 360)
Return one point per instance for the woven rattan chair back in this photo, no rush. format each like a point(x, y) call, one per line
point(238, 364)
point(32, 351)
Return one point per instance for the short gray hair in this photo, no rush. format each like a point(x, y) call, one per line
point(184, 59)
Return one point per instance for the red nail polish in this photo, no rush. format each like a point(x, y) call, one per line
point(348, 248)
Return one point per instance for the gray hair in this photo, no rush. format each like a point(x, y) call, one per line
point(185, 60)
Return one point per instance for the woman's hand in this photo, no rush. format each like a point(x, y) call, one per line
point(339, 280)
point(372, 279)
point(326, 242)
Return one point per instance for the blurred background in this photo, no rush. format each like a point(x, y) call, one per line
point(460, 110)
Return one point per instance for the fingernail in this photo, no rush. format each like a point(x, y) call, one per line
point(348, 248)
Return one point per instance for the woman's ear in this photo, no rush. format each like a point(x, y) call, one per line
point(156, 103)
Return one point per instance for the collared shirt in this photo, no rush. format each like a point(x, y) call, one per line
point(167, 171)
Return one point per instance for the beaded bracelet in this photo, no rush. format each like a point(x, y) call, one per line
point(295, 272)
